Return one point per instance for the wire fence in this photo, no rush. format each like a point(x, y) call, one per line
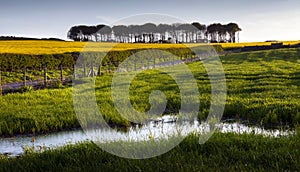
point(18, 80)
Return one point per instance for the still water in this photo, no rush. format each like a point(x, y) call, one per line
point(159, 129)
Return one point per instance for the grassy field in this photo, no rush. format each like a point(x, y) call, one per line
point(33, 75)
point(58, 47)
point(263, 88)
point(222, 152)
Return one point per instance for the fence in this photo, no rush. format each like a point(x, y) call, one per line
point(14, 80)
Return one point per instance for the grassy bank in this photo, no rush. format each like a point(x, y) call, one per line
point(263, 88)
point(229, 152)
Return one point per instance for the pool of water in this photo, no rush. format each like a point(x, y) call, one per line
point(162, 128)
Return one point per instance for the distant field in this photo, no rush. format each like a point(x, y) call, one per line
point(58, 47)
point(241, 45)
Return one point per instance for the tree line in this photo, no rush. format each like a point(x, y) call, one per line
point(28, 38)
point(162, 33)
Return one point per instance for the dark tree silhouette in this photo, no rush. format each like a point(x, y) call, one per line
point(149, 29)
point(162, 29)
point(106, 31)
point(121, 33)
point(73, 33)
point(162, 33)
point(232, 29)
point(200, 33)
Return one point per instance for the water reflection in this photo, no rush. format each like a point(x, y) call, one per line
point(162, 128)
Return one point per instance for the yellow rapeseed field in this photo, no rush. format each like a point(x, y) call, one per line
point(57, 47)
point(241, 45)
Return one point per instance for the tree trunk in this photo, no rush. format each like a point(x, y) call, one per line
point(186, 37)
point(96, 38)
point(233, 38)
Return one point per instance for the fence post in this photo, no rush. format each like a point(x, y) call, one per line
point(154, 63)
point(74, 74)
point(99, 70)
point(92, 69)
point(108, 67)
point(24, 76)
point(134, 65)
point(0, 84)
point(61, 73)
point(45, 75)
point(173, 60)
point(118, 64)
point(84, 70)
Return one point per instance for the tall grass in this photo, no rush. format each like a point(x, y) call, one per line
point(222, 152)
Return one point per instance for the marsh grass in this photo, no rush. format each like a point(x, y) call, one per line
point(222, 152)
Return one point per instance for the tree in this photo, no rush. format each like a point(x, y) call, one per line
point(73, 33)
point(99, 27)
point(232, 28)
point(92, 31)
point(162, 29)
point(217, 33)
point(201, 29)
point(120, 32)
point(135, 31)
point(212, 33)
point(105, 33)
point(148, 30)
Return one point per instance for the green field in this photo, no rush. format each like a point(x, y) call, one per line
point(263, 88)
point(222, 152)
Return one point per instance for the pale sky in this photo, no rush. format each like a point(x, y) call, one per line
point(260, 20)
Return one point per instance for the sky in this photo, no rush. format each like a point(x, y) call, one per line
point(260, 20)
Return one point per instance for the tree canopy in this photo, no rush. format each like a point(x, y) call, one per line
point(161, 33)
